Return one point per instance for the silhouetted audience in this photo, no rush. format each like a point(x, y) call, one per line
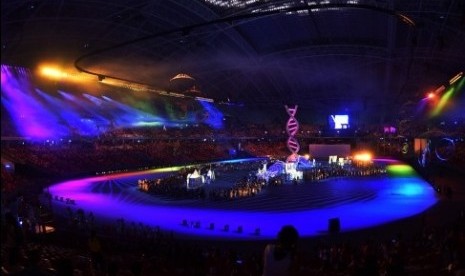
point(279, 258)
point(12, 239)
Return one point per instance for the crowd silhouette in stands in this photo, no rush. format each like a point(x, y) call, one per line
point(131, 248)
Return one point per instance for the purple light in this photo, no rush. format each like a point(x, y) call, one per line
point(390, 129)
point(25, 109)
point(395, 198)
point(385, 160)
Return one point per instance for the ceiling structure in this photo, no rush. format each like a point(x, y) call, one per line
point(366, 58)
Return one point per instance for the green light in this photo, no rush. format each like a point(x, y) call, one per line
point(169, 169)
point(400, 170)
point(144, 124)
point(460, 84)
point(442, 102)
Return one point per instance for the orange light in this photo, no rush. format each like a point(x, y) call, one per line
point(364, 157)
point(52, 72)
point(431, 95)
point(57, 73)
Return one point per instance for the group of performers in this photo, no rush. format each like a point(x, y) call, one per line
point(188, 184)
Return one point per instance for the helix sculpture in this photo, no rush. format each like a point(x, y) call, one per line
point(292, 127)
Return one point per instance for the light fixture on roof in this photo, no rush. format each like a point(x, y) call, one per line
point(182, 76)
point(456, 78)
point(202, 99)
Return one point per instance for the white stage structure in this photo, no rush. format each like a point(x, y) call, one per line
point(276, 169)
point(196, 180)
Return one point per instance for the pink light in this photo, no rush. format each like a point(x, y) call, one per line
point(386, 160)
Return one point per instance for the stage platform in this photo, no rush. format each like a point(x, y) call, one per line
point(344, 203)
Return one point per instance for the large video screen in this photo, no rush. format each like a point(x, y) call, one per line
point(338, 121)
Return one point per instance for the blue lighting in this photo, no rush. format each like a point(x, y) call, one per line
point(410, 189)
point(214, 117)
point(369, 201)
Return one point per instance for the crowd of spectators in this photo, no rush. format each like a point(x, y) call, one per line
point(81, 157)
point(457, 161)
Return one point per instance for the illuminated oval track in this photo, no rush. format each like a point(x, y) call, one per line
point(358, 202)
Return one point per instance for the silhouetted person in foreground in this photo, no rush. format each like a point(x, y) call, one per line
point(279, 258)
point(95, 248)
point(12, 239)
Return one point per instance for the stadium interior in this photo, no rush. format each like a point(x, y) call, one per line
point(343, 118)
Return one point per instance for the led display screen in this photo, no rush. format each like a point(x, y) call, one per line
point(338, 121)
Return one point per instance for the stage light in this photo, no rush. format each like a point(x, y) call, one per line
point(443, 101)
point(204, 99)
point(400, 170)
point(182, 76)
point(363, 157)
point(176, 95)
point(439, 89)
point(431, 95)
point(456, 78)
point(52, 72)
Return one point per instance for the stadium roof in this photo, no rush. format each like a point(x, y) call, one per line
point(357, 56)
